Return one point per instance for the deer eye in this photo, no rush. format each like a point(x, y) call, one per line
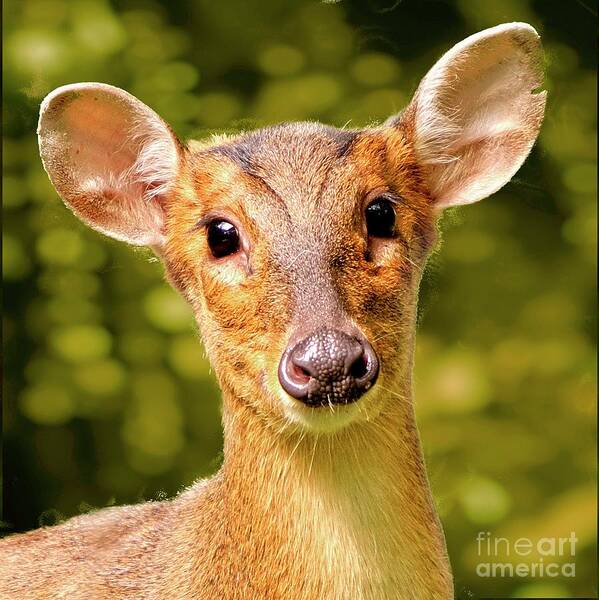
point(380, 218)
point(223, 238)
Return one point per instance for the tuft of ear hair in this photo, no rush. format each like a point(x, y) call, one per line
point(112, 159)
point(476, 114)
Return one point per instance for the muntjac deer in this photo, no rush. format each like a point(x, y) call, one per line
point(300, 248)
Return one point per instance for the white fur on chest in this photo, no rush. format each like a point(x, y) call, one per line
point(358, 539)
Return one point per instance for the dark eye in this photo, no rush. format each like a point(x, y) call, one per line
point(380, 218)
point(223, 238)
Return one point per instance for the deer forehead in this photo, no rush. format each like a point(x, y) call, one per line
point(294, 159)
point(298, 185)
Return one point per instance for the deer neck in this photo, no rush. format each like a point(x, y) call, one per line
point(352, 507)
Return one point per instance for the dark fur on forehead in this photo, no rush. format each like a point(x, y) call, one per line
point(288, 145)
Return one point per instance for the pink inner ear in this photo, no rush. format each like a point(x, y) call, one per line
point(481, 167)
point(111, 158)
point(477, 114)
point(101, 150)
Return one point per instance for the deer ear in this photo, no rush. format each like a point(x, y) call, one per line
point(476, 114)
point(111, 158)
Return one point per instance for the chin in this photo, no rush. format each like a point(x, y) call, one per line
point(334, 418)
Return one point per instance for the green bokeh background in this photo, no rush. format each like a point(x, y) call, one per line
point(108, 396)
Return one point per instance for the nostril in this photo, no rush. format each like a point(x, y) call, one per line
point(293, 378)
point(300, 374)
point(367, 369)
point(360, 367)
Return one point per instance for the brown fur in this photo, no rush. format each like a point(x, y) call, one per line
point(309, 503)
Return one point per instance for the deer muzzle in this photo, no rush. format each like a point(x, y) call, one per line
point(328, 367)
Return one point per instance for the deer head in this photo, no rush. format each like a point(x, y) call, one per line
point(300, 247)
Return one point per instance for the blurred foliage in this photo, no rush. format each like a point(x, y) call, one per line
point(108, 395)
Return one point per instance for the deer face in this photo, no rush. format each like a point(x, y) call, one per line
point(300, 246)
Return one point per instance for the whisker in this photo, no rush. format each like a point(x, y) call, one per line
point(301, 437)
point(395, 393)
point(330, 403)
point(388, 333)
point(313, 454)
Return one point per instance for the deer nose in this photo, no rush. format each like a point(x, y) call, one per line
point(328, 367)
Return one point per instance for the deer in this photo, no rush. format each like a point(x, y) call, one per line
point(300, 248)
